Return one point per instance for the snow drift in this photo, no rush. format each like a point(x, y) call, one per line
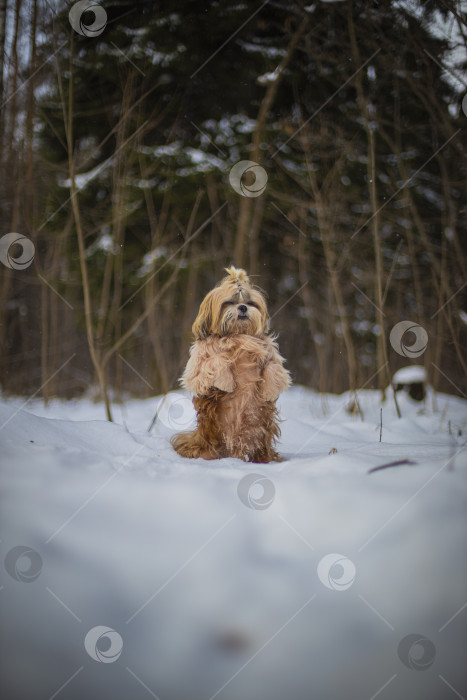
point(131, 572)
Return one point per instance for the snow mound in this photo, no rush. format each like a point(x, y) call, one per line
point(407, 375)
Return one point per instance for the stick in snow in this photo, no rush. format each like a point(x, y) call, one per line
point(391, 464)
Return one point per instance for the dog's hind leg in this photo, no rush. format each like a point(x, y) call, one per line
point(192, 445)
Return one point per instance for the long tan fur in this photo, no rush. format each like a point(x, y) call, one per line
point(236, 374)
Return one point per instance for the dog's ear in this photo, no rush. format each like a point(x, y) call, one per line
point(264, 313)
point(202, 327)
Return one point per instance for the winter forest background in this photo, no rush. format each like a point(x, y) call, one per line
point(115, 158)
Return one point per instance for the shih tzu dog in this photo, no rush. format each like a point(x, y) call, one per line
point(236, 374)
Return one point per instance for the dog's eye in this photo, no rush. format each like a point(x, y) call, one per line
point(227, 303)
point(252, 303)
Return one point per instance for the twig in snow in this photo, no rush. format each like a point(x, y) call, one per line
point(390, 464)
point(443, 416)
point(153, 422)
point(399, 414)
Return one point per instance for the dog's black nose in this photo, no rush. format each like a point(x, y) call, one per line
point(242, 308)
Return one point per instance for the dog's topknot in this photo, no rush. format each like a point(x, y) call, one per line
point(236, 275)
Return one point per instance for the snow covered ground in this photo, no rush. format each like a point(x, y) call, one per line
point(129, 572)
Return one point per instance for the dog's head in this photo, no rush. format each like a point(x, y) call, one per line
point(234, 306)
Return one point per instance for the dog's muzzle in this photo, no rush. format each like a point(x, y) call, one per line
point(242, 312)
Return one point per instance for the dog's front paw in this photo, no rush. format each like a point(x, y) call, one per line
point(275, 380)
point(225, 381)
point(270, 395)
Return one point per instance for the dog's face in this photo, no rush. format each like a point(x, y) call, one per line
point(233, 307)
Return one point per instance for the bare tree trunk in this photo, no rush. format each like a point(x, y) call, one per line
point(9, 160)
point(10, 112)
point(156, 329)
point(98, 366)
point(440, 283)
point(190, 303)
point(245, 225)
point(323, 216)
point(384, 376)
point(2, 57)
point(382, 358)
point(310, 311)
